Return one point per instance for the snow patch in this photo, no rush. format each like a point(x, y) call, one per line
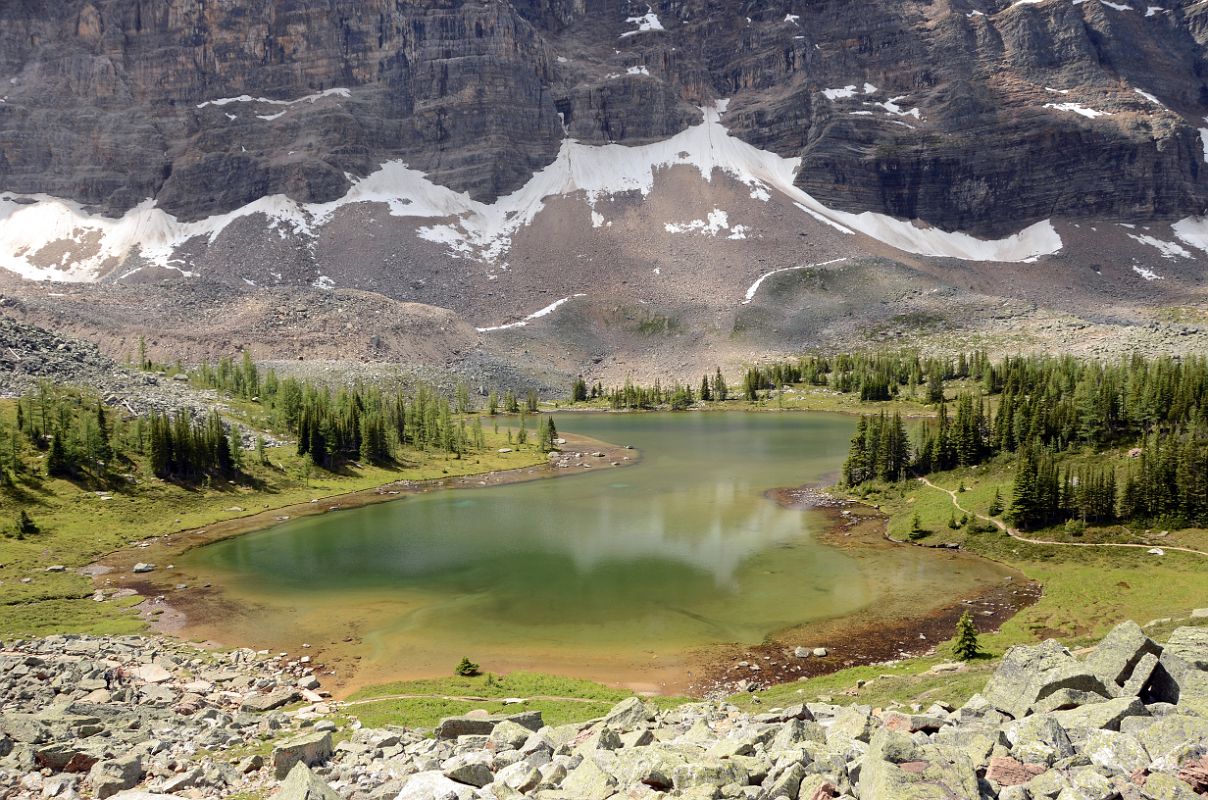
point(466, 227)
point(551, 308)
point(716, 222)
point(1193, 231)
point(754, 287)
point(1146, 273)
point(1078, 108)
point(793, 18)
point(1154, 10)
point(1167, 249)
point(891, 105)
point(647, 22)
point(1150, 98)
point(840, 94)
point(310, 98)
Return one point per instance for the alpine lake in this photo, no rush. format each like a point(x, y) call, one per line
point(630, 576)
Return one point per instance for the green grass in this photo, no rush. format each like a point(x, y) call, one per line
point(1086, 590)
point(905, 682)
point(80, 521)
point(560, 700)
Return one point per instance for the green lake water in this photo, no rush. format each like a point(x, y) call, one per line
point(615, 574)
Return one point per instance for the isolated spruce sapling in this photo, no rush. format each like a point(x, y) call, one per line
point(465, 668)
point(966, 647)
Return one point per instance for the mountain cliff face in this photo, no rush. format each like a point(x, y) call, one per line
point(974, 115)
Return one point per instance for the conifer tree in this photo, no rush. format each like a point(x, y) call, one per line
point(966, 647)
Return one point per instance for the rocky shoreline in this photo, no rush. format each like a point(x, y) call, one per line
point(141, 718)
point(852, 643)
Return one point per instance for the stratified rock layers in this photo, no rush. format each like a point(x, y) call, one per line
point(976, 115)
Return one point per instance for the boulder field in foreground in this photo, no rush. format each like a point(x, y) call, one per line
point(1129, 721)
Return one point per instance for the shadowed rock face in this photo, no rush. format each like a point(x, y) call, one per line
point(103, 99)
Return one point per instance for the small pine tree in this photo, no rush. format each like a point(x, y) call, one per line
point(996, 504)
point(952, 523)
point(56, 459)
point(465, 668)
point(966, 647)
point(916, 524)
point(26, 524)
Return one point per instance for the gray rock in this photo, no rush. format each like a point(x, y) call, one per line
point(302, 784)
point(628, 713)
point(267, 702)
point(897, 767)
point(432, 785)
point(1191, 645)
point(310, 749)
point(1118, 753)
point(112, 776)
point(1029, 674)
point(508, 735)
point(472, 769)
point(1118, 654)
point(454, 727)
point(589, 782)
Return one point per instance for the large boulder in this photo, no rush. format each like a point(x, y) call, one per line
point(309, 749)
point(1079, 722)
point(653, 765)
point(508, 735)
point(473, 725)
point(709, 772)
point(302, 784)
point(432, 785)
point(113, 775)
point(629, 713)
point(898, 767)
point(1170, 739)
point(1118, 654)
point(1191, 645)
point(589, 781)
point(1117, 753)
point(1028, 674)
point(277, 698)
point(472, 769)
point(1180, 683)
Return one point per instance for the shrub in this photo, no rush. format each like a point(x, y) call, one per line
point(466, 668)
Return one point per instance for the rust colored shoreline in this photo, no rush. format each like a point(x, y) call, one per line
point(855, 640)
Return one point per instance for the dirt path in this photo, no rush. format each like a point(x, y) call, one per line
point(1015, 534)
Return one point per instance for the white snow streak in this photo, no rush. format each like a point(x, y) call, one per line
point(1167, 249)
point(1150, 98)
point(754, 287)
point(647, 22)
point(1078, 108)
point(1146, 273)
point(467, 227)
point(716, 222)
point(840, 94)
point(244, 98)
point(551, 308)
